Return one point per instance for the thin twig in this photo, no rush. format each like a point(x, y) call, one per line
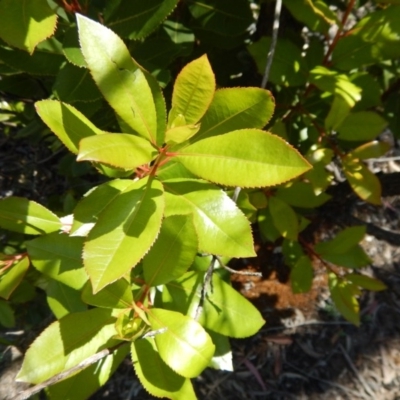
point(204, 288)
point(233, 271)
point(275, 29)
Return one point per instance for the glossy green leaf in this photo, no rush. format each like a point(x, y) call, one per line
point(93, 203)
point(21, 215)
point(301, 275)
point(137, 19)
point(340, 109)
point(24, 24)
point(63, 300)
point(7, 318)
point(284, 218)
point(118, 150)
point(193, 92)
point(366, 282)
point(343, 295)
point(361, 126)
point(125, 231)
point(184, 346)
point(173, 252)
point(374, 149)
point(222, 359)
point(156, 376)
point(66, 343)
point(39, 63)
point(180, 134)
point(69, 124)
point(236, 108)
point(59, 257)
point(221, 227)
point(116, 295)
point(12, 277)
point(75, 84)
point(83, 384)
point(227, 312)
point(245, 158)
point(120, 80)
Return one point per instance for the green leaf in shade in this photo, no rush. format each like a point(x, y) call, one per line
point(245, 158)
point(156, 376)
point(116, 295)
point(24, 24)
point(59, 257)
point(344, 294)
point(289, 67)
point(342, 242)
point(193, 92)
point(353, 258)
point(301, 275)
point(340, 109)
point(222, 359)
point(173, 252)
point(120, 80)
point(125, 231)
point(366, 282)
point(236, 108)
point(137, 19)
point(374, 149)
point(21, 215)
point(83, 384)
point(117, 149)
point(266, 224)
point(301, 194)
point(227, 312)
point(68, 124)
point(75, 84)
point(39, 63)
point(66, 343)
point(184, 346)
point(93, 203)
point(71, 47)
point(363, 182)
point(220, 225)
point(63, 300)
point(361, 126)
point(7, 318)
point(12, 277)
point(284, 218)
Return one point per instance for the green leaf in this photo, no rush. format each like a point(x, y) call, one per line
point(173, 252)
point(284, 218)
point(245, 158)
point(75, 84)
point(68, 124)
point(116, 295)
point(63, 300)
point(340, 109)
point(343, 241)
point(343, 295)
point(24, 24)
point(301, 194)
point(184, 346)
point(93, 203)
point(125, 231)
point(193, 92)
point(266, 224)
point(236, 108)
point(221, 227)
point(71, 47)
point(180, 134)
point(301, 275)
point(361, 126)
point(82, 385)
point(7, 318)
point(12, 277)
point(156, 376)
point(292, 252)
point(59, 257)
point(366, 282)
point(66, 343)
point(120, 80)
point(353, 258)
point(227, 312)
point(117, 150)
point(137, 19)
point(222, 359)
point(21, 215)
point(374, 149)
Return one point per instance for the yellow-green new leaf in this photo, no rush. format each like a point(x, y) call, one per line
point(124, 233)
point(193, 91)
point(184, 345)
point(245, 158)
point(12, 277)
point(118, 150)
point(66, 343)
point(24, 24)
